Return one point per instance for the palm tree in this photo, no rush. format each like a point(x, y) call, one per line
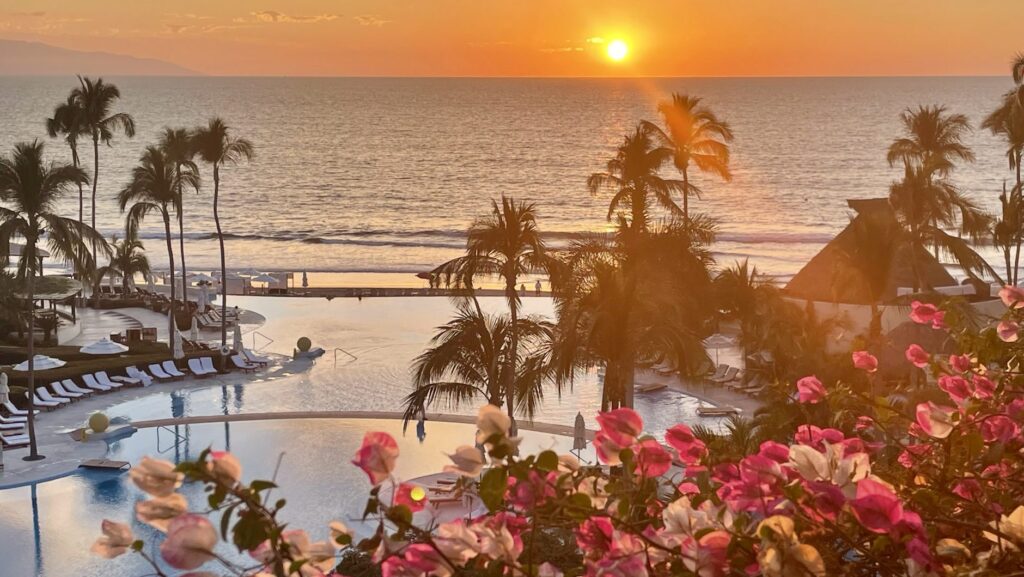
point(216, 146)
point(1007, 121)
point(508, 245)
point(742, 291)
point(95, 100)
point(924, 207)
point(33, 190)
point(128, 260)
point(632, 176)
point(877, 240)
point(932, 140)
point(696, 137)
point(469, 359)
point(177, 146)
point(154, 188)
point(68, 122)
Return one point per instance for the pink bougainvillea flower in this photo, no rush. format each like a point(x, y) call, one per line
point(689, 448)
point(935, 420)
point(1013, 297)
point(960, 363)
point(939, 320)
point(1008, 331)
point(466, 461)
point(224, 467)
point(865, 361)
point(688, 488)
point(956, 387)
point(711, 558)
point(607, 450)
point(189, 543)
point(969, 489)
point(863, 423)
point(984, 388)
point(810, 390)
point(652, 460)
point(160, 511)
point(621, 426)
point(156, 477)
point(117, 538)
point(377, 456)
point(912, 454)
point(412, 496)
point(922, 313)
point(774, 451)
point(876, 507)
point(425, 560)
point(595, 535)
point(998, 429)
point(918, 356)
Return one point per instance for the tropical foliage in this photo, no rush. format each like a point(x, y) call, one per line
point(127, 261)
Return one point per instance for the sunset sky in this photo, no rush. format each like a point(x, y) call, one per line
point(537, 37)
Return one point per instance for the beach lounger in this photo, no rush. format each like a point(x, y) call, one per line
point(143, 378)
point(15, 411)
point(14, 441)
point(91, 382)
point(115, 382)
point(12, 426)
point(243, 364)
point(45, 405)
point(254, 358)
point(44, 394)
point(172, 369)
point(60, 390)
point(70, 385)
point(157, 371)
point(719, 372)
point(729, 375)
point(207, 363)
point(10, 420)
point(196, 366)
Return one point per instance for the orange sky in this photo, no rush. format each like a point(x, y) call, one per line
point(537, 37)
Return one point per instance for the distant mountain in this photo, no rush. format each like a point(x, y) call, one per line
point(19, 58)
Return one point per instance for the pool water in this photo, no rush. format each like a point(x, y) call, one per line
point(47, 529)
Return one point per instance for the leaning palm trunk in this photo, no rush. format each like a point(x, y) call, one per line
point(510, 375)
point(173, 325)
point(95, 179)
point(181, 239)
point(223, 259)
point(30, 249)
point(1019, 233)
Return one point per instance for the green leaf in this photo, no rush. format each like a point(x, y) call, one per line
point(258, 485)
point(493, 487)
point(547, 461)
point(225, 522)
point(372, 506)
point(400, 515)
point(137, 545)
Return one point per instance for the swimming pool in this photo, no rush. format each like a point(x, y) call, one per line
point(47, 529)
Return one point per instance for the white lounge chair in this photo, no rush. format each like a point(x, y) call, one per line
point(12, 426)
point(44, 404)
point(196, 366)
point(15, 411)
point(13, 419)
point(44, 394)
point(70, 385)
point(91, 382)
point(158, 372)
point(254, 358)
point(243, 364)
point(105, 379)
point(14, 441)
point(207, 363)
point(171, 369)
point(60, 390)
point(135, 373)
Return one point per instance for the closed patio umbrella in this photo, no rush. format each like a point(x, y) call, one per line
point(238, 339)
point(203, 298)
point(104, 346)
point(150, 285)
point(193, 332)
point(179, 349)
point(718, 341)
point(5, 391)
point(305, 279)
point(579, 434)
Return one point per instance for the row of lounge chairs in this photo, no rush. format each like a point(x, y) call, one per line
point(64, 392)
point(735, 379)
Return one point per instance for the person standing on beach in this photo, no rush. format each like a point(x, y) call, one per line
point(536, 287)
point(522, 290)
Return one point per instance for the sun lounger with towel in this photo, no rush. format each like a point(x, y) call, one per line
point(196, 366)
point(135, 373)
point(60, 390)
point(207, 363)
point(91, 382)
point(9, 420)
point(243, 364)
point(104, 379)
point(14, 441)
point(44, 394)
point(70, 385)
point(12, 426)
point(15, 411)
point(729, 375)
point(172, 369)
point(46, 405)
point(254, 358)
point(157, 371)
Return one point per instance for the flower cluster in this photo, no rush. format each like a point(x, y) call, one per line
point(921, 481)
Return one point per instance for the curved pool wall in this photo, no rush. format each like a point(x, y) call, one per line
point(47, 529)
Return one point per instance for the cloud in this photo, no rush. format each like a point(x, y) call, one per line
point(275, 16)
point(370, 20)
point(176, 28)
point(595, 40)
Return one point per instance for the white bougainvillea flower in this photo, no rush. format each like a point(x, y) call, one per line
point(189, 543)
point(158, 512)
point(935, 420)
point(457, 542)
point(156, 477)
point(466, 461)
point(1012, 526)
point(116, 540)
point(224, 467)
point(491, 420)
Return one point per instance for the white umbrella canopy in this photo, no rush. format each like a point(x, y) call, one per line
point(238, 339)
point(40, 363)
point(718, 341)
point(202, 277)
point(5, 391)
point(104, 346)
point(264, 278)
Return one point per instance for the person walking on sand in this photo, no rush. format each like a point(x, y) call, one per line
point(536, 287)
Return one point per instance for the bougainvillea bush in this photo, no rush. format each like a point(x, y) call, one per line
point(863, 485)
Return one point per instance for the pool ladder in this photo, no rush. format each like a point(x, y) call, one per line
point(265, 337)
point(178, 439)
point(343, 351)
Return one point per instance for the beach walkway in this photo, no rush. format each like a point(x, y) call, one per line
point(96, 324)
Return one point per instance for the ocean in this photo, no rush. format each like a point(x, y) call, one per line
point(372, 176)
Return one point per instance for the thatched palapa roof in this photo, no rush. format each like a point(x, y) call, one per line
point(831, 276)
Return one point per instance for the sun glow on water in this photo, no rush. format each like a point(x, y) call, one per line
point(617, 50)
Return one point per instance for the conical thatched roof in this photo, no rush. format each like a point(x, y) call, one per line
point(832, 277)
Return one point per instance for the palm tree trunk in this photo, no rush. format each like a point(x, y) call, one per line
point(510, 377)
point(81, 200)
point(30, 250)
point(173, 324)
point(686, 198)
point(181, 238)
point(95, 179)
point(223, 260)
point(1019, 233)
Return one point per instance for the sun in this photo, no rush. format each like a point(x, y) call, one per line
point(617, 50)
